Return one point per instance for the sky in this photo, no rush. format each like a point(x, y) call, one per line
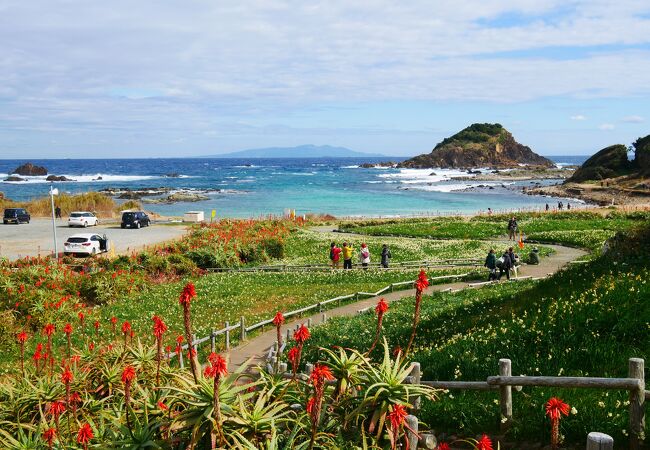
point(90, 79)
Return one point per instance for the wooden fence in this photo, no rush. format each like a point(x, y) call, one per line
point(320, 306)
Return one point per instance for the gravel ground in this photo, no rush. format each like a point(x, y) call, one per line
point(28, 239)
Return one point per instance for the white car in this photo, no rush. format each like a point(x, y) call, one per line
point(82, 219)
point(86, 244)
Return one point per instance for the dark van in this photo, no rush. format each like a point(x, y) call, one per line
point(16, 215)
point(135, 219)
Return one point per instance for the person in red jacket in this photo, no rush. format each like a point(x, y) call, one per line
point(335, 256)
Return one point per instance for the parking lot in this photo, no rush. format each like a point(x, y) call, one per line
point(36, 237)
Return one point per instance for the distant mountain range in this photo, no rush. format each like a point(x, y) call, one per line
point(302, 151)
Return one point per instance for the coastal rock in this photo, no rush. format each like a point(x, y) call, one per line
point(179, 197)
point(172, 175)
point(479, 145)
point(379, 164)
point(57, 178)
point(609, 162)
point(14, 178)
point(30, 170)
point(642, 155)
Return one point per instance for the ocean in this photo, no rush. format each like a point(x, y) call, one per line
point(254, 187)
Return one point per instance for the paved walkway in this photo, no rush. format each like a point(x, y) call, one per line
point(257, 347)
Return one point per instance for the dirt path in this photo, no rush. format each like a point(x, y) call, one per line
point(256, 348)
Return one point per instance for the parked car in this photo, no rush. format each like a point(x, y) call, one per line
point(86, 244)
point(16, 215)
point(135, 219)
point(82, 219)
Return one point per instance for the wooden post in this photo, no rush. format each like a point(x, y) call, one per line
point(283, 367)
point(412, 432)
point(288, 335)
point(416, 373)
point(213, 339)
point(242, 328)
point(180, 359)
point(505, 395)
point(637, 406)
point(323, 318)
point(227, 336)
point(309, 322)
point(599, 441)
point(309, 368)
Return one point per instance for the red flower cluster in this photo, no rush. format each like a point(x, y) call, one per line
point(278, 319)
point(67, 329)
point(128, 374)
point(159, 327)
point(397, 417)
point(301, 334)
point(555, 408)
point(48, 329)
point(422, 282)
point(217, 367)
point(22, 337)
point(126, 327)
point(484, 443)
point(84, 435)
point(188, 293)
point(67, 376)
point(382, 307)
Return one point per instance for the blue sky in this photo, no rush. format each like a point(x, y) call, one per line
point(163, 79)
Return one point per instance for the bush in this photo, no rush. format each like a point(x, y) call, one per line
point(213, 258)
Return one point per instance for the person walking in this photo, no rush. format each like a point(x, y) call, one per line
point(568, 206)
point(364, 255)
point(385, 256)
point(512, 228)
point(491, 264)
point(347, 255)
point(335, 255)
point(547, 207)
point(514, 261)
point(504, 265)
point(57, 212)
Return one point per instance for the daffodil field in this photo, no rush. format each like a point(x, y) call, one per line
point(586, 320)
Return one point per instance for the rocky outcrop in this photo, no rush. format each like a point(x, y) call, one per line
point(642, 155)
point(609, 162)
point(58, 178)
point(178, 197)
point(479, 145)
point(14, 178)
point(379, 164)
point(30, 170)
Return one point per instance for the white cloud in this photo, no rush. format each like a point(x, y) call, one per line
point(578, 117)
point(633, 119)
point(606, 126)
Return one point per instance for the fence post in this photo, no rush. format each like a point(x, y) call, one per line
point(288, 335)
point(309, 368)
point(227, 336)
point(309, 322)
point(324, 318)
point(412, 432)
point(180, 359)
point(213, 339)
point(416, 373)
point(242, 328)
point(637, 407)
point(505, 394)
point(599, 441)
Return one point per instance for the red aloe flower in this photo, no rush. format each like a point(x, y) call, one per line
point(380, 309)
point(49, 330)
point(216, 369)
point(113, 325)
point(443, 446)
point(319, 375)
point(420, 285)
point(310, 405)
point(188, 293)
point(555, 408)
point(48, 436)
point(55, 409)
point(96, 325)
point(84, 435)
point(81, 316)
point(126, 329)
point(159, 329)
point(22, 338)
point(128, 374)
point(292, 356)
point(162, 405)
point(278, 320)
point(301, 334)
point(484, 443)
point(397, 420)
point(67, 329)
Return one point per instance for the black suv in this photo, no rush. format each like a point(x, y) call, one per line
point(135, 219)
point(16, 215)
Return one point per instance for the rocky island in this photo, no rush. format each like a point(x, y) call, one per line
point(609, 177)
point(479, 145)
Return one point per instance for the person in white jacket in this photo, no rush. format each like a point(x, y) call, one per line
point(364, 255)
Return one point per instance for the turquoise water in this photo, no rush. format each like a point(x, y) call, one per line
point(250, 188)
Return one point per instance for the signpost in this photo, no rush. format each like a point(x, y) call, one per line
point(53, 192)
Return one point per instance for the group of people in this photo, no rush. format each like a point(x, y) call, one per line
point(560, 206)
point(505, 263)
point(346, 253)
